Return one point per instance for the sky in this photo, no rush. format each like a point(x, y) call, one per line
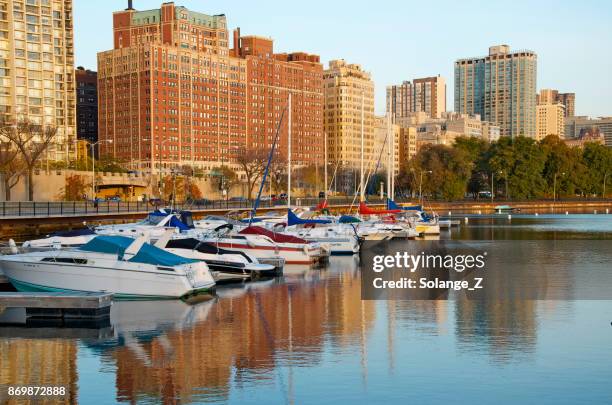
point(403, 40)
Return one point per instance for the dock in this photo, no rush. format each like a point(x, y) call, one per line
point(56, 305)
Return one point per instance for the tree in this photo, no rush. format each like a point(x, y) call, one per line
point(253, 164)
point(223, 178)
point(11, 167)
point(110, 164)
point(75, 188)
point(278, 173)
point(32, 141)
point(598, 162)
point(476, 150)
point(450, 170)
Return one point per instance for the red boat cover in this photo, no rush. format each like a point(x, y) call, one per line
point(322, 205)
point(365, 210)
point(276, 237)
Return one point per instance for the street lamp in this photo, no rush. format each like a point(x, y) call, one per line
point(93, 164)
point(555, 185)
point(159, 183)
point(492, 185)
point(421, 184)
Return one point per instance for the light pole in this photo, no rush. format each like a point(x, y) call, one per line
point(159, 183)
point(493, 187)
point(555, 185)
point(421, 185)
point(603, 195)
point(93, 165)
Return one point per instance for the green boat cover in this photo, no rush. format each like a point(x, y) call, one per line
point(148, 254)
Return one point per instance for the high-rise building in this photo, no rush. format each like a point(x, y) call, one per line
point(349, 96)
point(426, 94)
point(270, 79)
point(501, 88)
point(37, 67)
point(550, 120)
point(386, 133)
point(86, 104)
point(550, 96)
point(173, 93)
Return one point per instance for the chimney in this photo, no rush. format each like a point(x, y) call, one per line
point(129, 7)
point(237, 42)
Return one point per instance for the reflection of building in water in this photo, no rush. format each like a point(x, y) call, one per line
point(243, 340)
point(28, 362)
point(502, 316)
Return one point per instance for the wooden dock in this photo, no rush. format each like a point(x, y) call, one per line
point(59, 305)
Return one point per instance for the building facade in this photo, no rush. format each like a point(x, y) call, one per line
point(574, 126)
point(550, 120)
point(501, 88)
point(426, 94)
point(349, 96)
point(173, 93)
point(551, 96)
point(86, 104)
point(386, 132)
point(37, 68)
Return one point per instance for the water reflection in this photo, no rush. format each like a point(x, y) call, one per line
point(287, 339)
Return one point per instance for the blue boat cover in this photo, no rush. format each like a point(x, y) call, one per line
point(391, 205)
point(348, 219)
point(147, 254)
point(174, 221)
point(293, 219)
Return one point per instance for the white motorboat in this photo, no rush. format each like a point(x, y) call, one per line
point(61, 239)
point(126, 267)
point(217, 258)
point(263, 243)
point(338, 240)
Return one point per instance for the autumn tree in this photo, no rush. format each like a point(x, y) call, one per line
point(253, 164)
point(75, 188)
point(11, 167)
point(224, 178)
point(32, 141)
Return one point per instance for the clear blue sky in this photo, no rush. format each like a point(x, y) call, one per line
point(399, 40)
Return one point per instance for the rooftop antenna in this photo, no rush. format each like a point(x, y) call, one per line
point(129, 7)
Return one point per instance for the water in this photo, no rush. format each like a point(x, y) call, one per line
point(309, 338)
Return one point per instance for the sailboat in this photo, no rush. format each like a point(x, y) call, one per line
point(126, 267)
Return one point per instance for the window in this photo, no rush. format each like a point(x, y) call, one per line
point(70, 260)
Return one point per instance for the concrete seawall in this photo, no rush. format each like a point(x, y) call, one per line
point(17, 227)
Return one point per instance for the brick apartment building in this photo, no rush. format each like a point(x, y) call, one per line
point(172, 91)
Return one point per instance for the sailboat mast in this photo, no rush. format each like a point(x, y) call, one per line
point(289, 154)
point(392, 146)
point(325, 169)
point(362, 194)
point(389, 140)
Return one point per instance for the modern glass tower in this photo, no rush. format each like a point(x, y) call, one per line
point(501, 87)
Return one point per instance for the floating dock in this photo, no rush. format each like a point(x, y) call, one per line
point(57, 305)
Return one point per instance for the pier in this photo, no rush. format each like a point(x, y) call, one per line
point(54, 305)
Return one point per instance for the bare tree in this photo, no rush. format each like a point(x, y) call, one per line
point(31, 140)
point(253, 164)
point(11, 167)
point(278, 173)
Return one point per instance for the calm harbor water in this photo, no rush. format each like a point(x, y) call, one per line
point(309, 338)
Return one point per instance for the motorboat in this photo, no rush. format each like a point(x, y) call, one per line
point(218, 259)
point(129, 268)
point(263, 243)
point(55, 240)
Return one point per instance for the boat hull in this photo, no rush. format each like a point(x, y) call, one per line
point(126, 284)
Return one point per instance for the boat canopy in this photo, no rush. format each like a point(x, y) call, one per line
point(348, 219)
point(276, 237)
point(293, 219)
point(147, 254)
point(392, 205)
point(174, 221)
point(365, 210)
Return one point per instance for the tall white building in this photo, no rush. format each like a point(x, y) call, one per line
point(37, 67)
